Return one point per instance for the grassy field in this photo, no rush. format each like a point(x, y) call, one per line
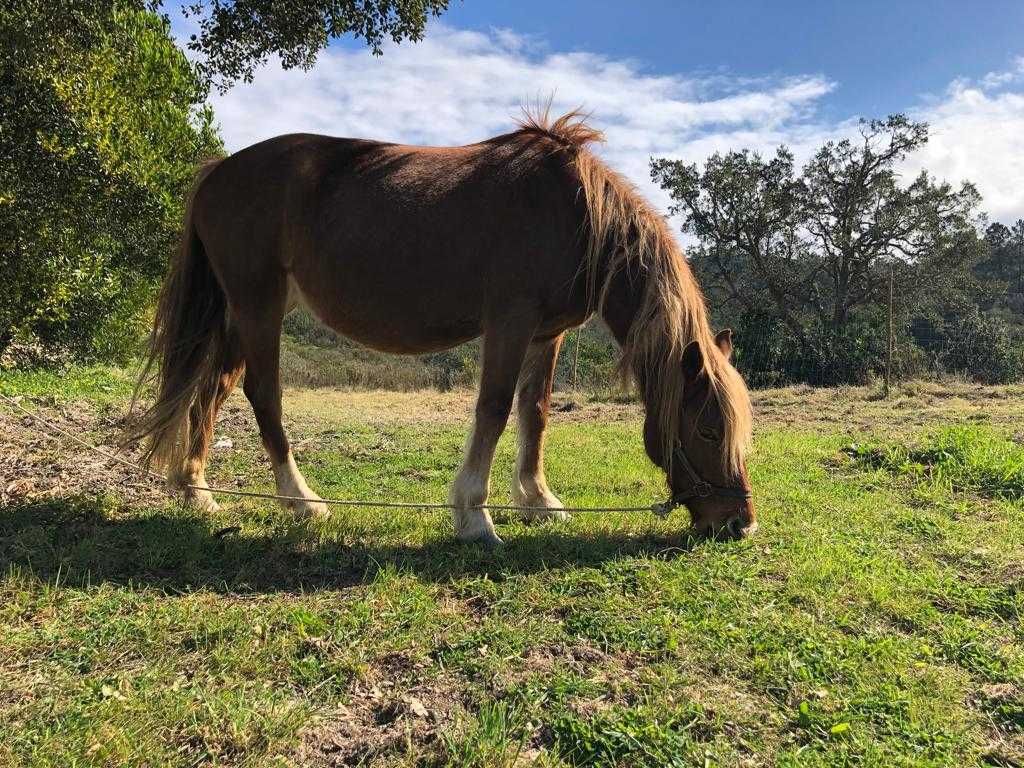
point(873, 620)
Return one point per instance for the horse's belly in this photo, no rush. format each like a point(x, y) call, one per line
point(380, 315)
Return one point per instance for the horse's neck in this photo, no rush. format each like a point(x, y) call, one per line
point(623, 300)
point(622, 304)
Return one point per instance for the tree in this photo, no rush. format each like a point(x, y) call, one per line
point(102, 120)
point(815, 250)
point(236, 36)
point(1004, 261)
point(746, 213)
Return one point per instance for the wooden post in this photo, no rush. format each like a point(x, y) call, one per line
point(888, 351)
point(1020, 262)
point(576, 357)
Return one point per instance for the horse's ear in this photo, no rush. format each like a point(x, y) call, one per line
point(724, 342)
point(693, 360)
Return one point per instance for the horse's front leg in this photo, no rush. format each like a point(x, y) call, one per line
point(504, 350)
point(529, 486)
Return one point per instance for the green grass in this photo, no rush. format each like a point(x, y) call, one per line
point(874, 619)
point(99, 383)
point(958, 459)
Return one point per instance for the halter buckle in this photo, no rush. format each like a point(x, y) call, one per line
point(663, 509)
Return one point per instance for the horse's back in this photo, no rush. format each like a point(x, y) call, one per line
point(401, 247)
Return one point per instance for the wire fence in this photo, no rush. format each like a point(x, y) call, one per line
point(889, 349)
point(890, 344)
point(970, 346)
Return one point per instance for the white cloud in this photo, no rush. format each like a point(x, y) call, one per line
point(977, 134)
point(459, 86)
point(1000, 79)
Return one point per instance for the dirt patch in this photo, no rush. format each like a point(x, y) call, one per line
point(578, 657)
point(379, 722)
point(36, 465)
point(910, 406)
point(616, 670)
point(1003, 707)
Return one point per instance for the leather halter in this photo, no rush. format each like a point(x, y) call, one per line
point(701, 488)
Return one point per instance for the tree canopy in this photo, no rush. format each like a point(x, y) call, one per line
point(814, 250)
point(236, 36)
point(102, 120)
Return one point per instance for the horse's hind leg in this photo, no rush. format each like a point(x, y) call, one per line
point(529, 486)
point(259, 329)
point(191, 477)
point(504, 350)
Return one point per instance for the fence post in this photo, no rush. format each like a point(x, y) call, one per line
point(888, 350)
point(576, 356)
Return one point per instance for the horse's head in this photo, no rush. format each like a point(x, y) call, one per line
point(706, 470)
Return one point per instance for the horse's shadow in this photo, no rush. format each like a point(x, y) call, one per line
point(82, 541)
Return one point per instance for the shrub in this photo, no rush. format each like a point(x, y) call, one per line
point(982, 347)
point(769, 354)
point(102, 121)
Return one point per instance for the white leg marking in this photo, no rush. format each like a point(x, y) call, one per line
point(290, 482)
point(193, 474)
point(531, 490)
point(470, 489)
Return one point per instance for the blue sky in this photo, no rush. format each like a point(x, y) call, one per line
point(884, 55)
point(678, 80)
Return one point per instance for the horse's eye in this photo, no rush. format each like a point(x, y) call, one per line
point(708, 434)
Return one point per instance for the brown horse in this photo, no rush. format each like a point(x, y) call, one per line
point(416, 249)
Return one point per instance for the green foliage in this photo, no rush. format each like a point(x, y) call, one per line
point(769, 354)
point(981, 346)
point(315, 356)
point(595, 363)
point(1004, 264)
point(102, 120)
point(236, 36)
point(350, 366)
point(813, 253)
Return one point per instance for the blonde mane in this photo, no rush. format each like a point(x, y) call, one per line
point(624, 229)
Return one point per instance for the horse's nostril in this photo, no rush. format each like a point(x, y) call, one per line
point(734, 526)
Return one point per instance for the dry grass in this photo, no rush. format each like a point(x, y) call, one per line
point(859, 409)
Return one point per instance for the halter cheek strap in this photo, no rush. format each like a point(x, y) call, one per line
point(700, 489)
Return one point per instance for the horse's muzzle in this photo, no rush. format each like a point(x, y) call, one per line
point(729, 526)
point(741, 526)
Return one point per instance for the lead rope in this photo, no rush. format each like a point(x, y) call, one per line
point(660, 509)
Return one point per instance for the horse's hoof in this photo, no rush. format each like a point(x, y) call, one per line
point(201, 501)
point(310, 510)
point(543, 509)
point(483, 536)
point(543, 515)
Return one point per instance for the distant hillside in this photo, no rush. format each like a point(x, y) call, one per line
point(315, 356)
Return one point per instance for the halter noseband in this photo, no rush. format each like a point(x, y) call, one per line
point(701, 488)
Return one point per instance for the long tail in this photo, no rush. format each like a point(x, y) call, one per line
point(186, 351)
